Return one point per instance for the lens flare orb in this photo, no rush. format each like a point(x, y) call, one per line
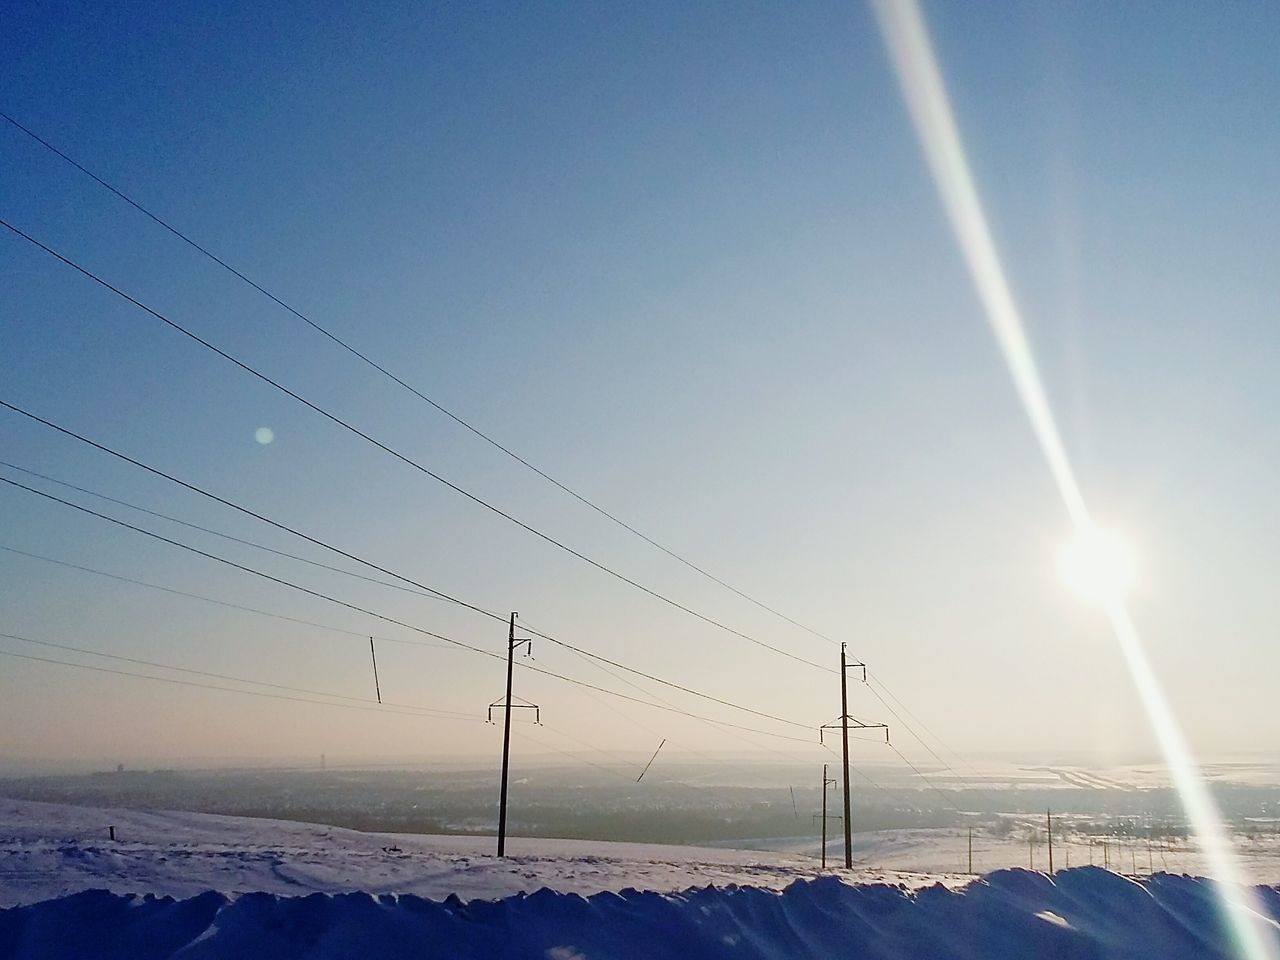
point(1099, 565)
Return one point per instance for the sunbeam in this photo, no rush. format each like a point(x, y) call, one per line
point(906, 38)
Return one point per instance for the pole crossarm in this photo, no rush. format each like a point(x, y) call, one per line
point(839, 723)
point(501, 702)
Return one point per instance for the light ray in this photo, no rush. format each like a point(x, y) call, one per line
point(906, 38)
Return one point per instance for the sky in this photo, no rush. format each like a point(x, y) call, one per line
point(689, 261)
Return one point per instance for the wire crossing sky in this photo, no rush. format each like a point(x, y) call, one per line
point(686, 260)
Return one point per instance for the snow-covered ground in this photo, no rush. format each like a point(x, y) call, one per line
point(50, 850)
point(264, 888)
point(946, 850)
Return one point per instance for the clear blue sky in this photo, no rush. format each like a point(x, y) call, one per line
point(688, 259)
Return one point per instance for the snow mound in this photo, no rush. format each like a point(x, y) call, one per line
point(1081, 913)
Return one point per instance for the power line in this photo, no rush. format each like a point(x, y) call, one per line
point(210, 686)
point(943, 763)
point(413, 390)
point(921, 775)
point(320, 543)
point(333, 418)
point(371, 613)
point(468, 426)
point(424, 711)
point(433, 595)
point(421, 592)
point(220, 603)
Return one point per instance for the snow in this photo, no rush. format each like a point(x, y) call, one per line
point(1084, 913)
point(50, 850)
point(205, 887)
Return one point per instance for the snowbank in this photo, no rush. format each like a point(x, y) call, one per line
point(1081, 913)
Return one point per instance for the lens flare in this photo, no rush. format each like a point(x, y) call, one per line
point(1099, 565)
point(903, 27)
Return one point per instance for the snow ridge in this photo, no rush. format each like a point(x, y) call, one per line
point(1081, 913)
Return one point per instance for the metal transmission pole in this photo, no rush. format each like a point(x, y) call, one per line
point(845, 722)
point(506, 704)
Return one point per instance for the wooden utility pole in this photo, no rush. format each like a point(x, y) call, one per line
point(846, 723)
point(844, 737)
point(971, 850)
point(827, 782)
point(1048, 831)
point(512, 643)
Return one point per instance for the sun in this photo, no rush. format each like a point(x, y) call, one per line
point(1099, 565)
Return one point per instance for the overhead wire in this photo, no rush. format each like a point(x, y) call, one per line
point(344, 553)
point(203, 250)
point(413, 390)
point(380, 616)
point(426, 711)
point(872, 682)
point(421, 592)
point(919, 773)
point(221, 603)
point(404, 458)
point(210, 686)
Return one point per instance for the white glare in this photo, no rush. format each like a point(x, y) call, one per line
point(1098, 565)
point(264, 435)
point(904, 33)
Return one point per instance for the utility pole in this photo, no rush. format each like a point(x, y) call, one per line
point(826, 782)
point(1048, 832)
point(845, 722)
point(506, 704)
point(844, 739)
point(971, 850)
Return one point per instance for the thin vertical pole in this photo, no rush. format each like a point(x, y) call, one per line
point(1031, 851)
point(377, 688)
point(971, 850)
point(506, 742)
point(844, 726)
point(1048, 830)
point(824, 816)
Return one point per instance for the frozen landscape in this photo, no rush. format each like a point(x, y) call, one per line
point(196, 885)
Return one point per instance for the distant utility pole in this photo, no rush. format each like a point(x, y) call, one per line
point(1048, 832)
point(845, 722)
point(826, 782)
point(971, 849)
point(506, 704)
